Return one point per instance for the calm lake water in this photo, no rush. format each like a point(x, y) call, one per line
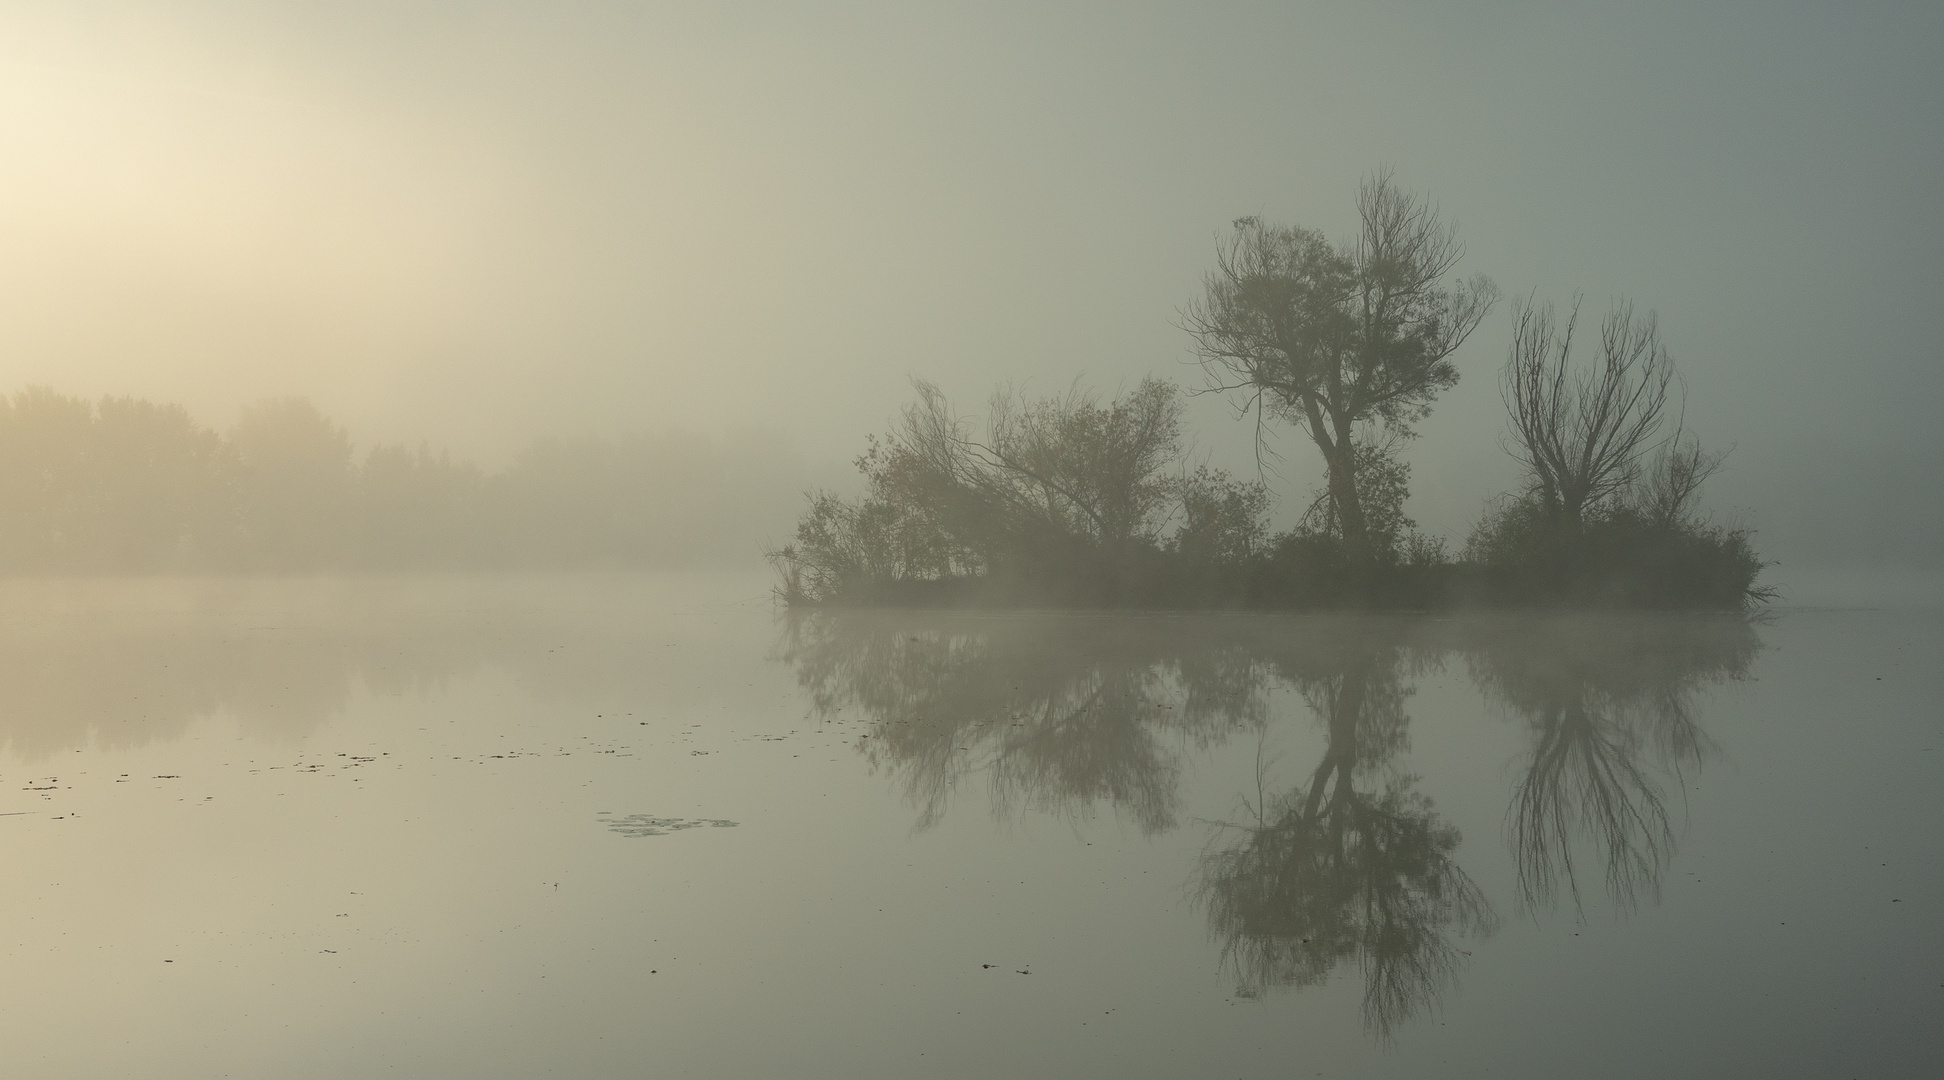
point(650, 827)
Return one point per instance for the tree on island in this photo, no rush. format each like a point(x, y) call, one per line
point(1337, 338)
point(1599, 520)
point(1066, 499)
point(1581, 434)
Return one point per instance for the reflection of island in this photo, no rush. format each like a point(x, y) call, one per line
point(1066, 714)
point(1611, 705)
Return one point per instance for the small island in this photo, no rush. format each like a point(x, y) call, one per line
point(1075, 501)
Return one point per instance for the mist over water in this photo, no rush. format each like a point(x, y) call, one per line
point(885, 540)
point(603, 825)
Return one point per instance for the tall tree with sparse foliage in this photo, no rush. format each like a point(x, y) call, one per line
point(1333, 337)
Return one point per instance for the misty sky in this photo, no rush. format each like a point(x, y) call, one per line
point(475, 223)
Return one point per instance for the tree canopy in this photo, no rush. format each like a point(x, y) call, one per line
point(1330, 337)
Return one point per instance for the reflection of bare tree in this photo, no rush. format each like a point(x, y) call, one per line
point(1329, 875)
point(1064, 713)
point(1611, 707)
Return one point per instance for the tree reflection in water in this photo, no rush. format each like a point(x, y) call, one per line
point(1611, 706)
point(1329, 874)
point(1065, 714)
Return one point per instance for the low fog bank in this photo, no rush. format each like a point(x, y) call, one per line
point(123, 486)
point(1862, 586)
point(1870, 506)
point(127, 486)
point(116, 662)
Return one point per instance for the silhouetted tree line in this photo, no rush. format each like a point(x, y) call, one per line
point(1069, 500)
point(122, 485)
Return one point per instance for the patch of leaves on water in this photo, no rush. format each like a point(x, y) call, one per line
point(648, 825)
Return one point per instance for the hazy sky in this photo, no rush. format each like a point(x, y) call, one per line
point(479, 222)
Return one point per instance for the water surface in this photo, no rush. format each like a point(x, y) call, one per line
point(651, 827)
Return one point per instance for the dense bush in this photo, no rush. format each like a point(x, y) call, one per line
point(1065, 501)
point(1618, 555)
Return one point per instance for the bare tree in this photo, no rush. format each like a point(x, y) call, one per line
point(1581, 434)
point(1327, 337)
point(1664, 494)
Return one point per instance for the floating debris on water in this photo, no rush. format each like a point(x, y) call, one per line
point(646, 825)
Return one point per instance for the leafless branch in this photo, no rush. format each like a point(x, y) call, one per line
point(1581, 434)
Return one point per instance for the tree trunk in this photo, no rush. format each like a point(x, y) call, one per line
point(1344, 497)
point(1344, 709)
point(1340, 458)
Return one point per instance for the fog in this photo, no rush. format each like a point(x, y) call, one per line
point(420, 653)
point(478, 226)
point(607, 827)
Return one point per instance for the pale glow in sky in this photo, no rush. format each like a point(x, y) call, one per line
point(477, 223)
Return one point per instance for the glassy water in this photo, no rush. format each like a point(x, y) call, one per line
point(649, 827)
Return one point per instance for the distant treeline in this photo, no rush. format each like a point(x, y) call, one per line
point(122, 485)
point(1069, 501)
